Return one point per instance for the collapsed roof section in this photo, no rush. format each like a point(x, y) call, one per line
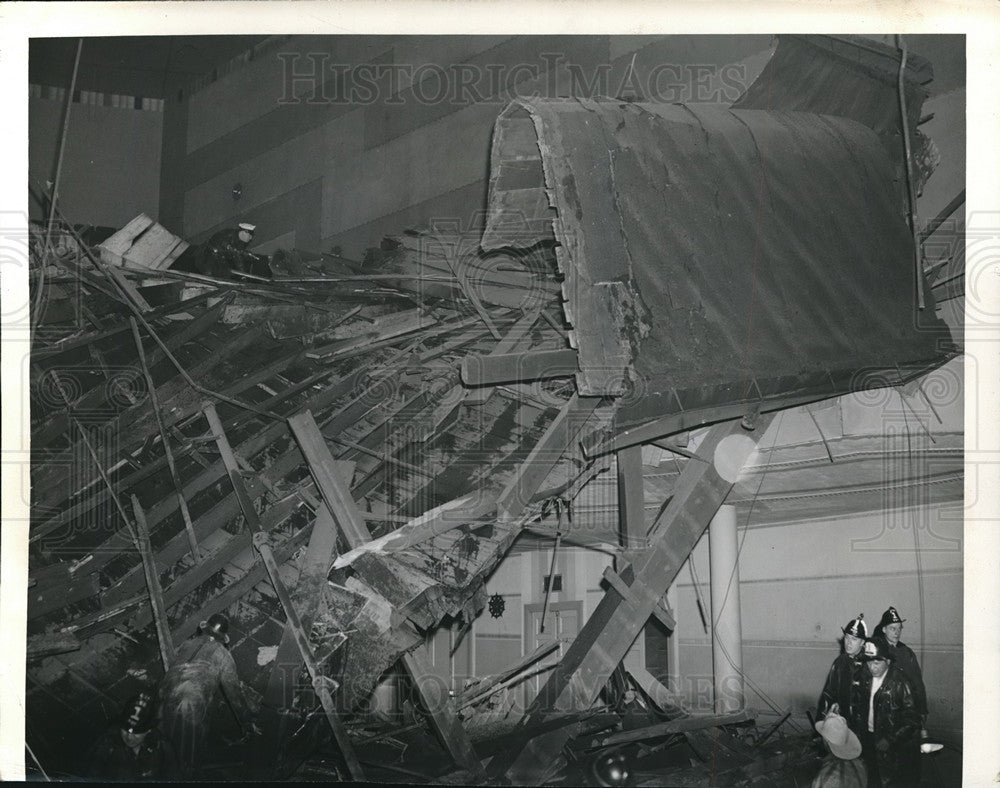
point(715, 259)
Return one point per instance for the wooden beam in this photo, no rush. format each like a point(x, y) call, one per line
point(518, 367)
point(280, 691)
point(614, 625)
point(155, 591)
point(443, 716)
point(545, 454)
point(631, 500)
point(301, 638)
point(513, 339)
point(633, 597)
point(351, 525)
point(335, 492)
point(681, 725)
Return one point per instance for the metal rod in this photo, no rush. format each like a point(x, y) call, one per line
point(188, 525)
point(552, 568)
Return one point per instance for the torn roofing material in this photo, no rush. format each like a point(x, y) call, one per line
point(850, 77)
point(714, 258)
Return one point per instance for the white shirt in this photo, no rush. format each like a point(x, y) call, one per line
point(876, 683)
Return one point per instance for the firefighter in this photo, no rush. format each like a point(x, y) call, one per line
point(891, 628)
point(134, 750)
point(226, 251)
point(890, 735)
point(843, 681)
point(203, 669)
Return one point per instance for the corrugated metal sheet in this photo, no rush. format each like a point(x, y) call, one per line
point(715, 257)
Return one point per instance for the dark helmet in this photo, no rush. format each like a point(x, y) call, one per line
point(856, 627)
point(138, 714)
point(609, 769)
point(890, 616)
point(877, 647)
point(217, 626)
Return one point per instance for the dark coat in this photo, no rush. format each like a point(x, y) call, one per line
point(904, 659)
point(113, 761)
point(897, 723)
point(843, 684)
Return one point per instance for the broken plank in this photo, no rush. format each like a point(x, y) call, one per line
point(518, 334)
point(335, 492)
point(518, 367)
point(153, 585)
point(239, 588)
point(55, 596)
point(545, 454)
point(476, 690)
point(438, 520)
point(631, 500)
point(315, 565)
point(443, 716)
point(50, 644)
point(614, 625)
point(681, 725)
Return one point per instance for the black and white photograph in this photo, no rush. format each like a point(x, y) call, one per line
point(523, 406)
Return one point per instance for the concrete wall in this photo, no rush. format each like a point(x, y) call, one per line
point(111, 164)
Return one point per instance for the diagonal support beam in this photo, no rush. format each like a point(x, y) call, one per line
point(614, 625)
point(351, 524)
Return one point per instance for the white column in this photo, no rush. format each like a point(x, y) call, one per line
point(727, 632)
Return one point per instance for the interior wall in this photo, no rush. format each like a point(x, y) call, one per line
point(801, 582)
point(111, 163)
point(344, 160)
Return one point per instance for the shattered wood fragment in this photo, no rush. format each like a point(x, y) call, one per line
point(439, 520)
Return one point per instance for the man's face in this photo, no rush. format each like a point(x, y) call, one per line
point(852, 645)
point(245, 236)
point(877, 667)
point(892, 632)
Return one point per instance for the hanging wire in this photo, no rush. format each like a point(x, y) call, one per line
point(916, 541)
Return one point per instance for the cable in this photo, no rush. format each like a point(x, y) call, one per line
point(916, 541)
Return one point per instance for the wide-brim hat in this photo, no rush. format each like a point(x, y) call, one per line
point(248, 227)
point(839, 738)
point(216, 625)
